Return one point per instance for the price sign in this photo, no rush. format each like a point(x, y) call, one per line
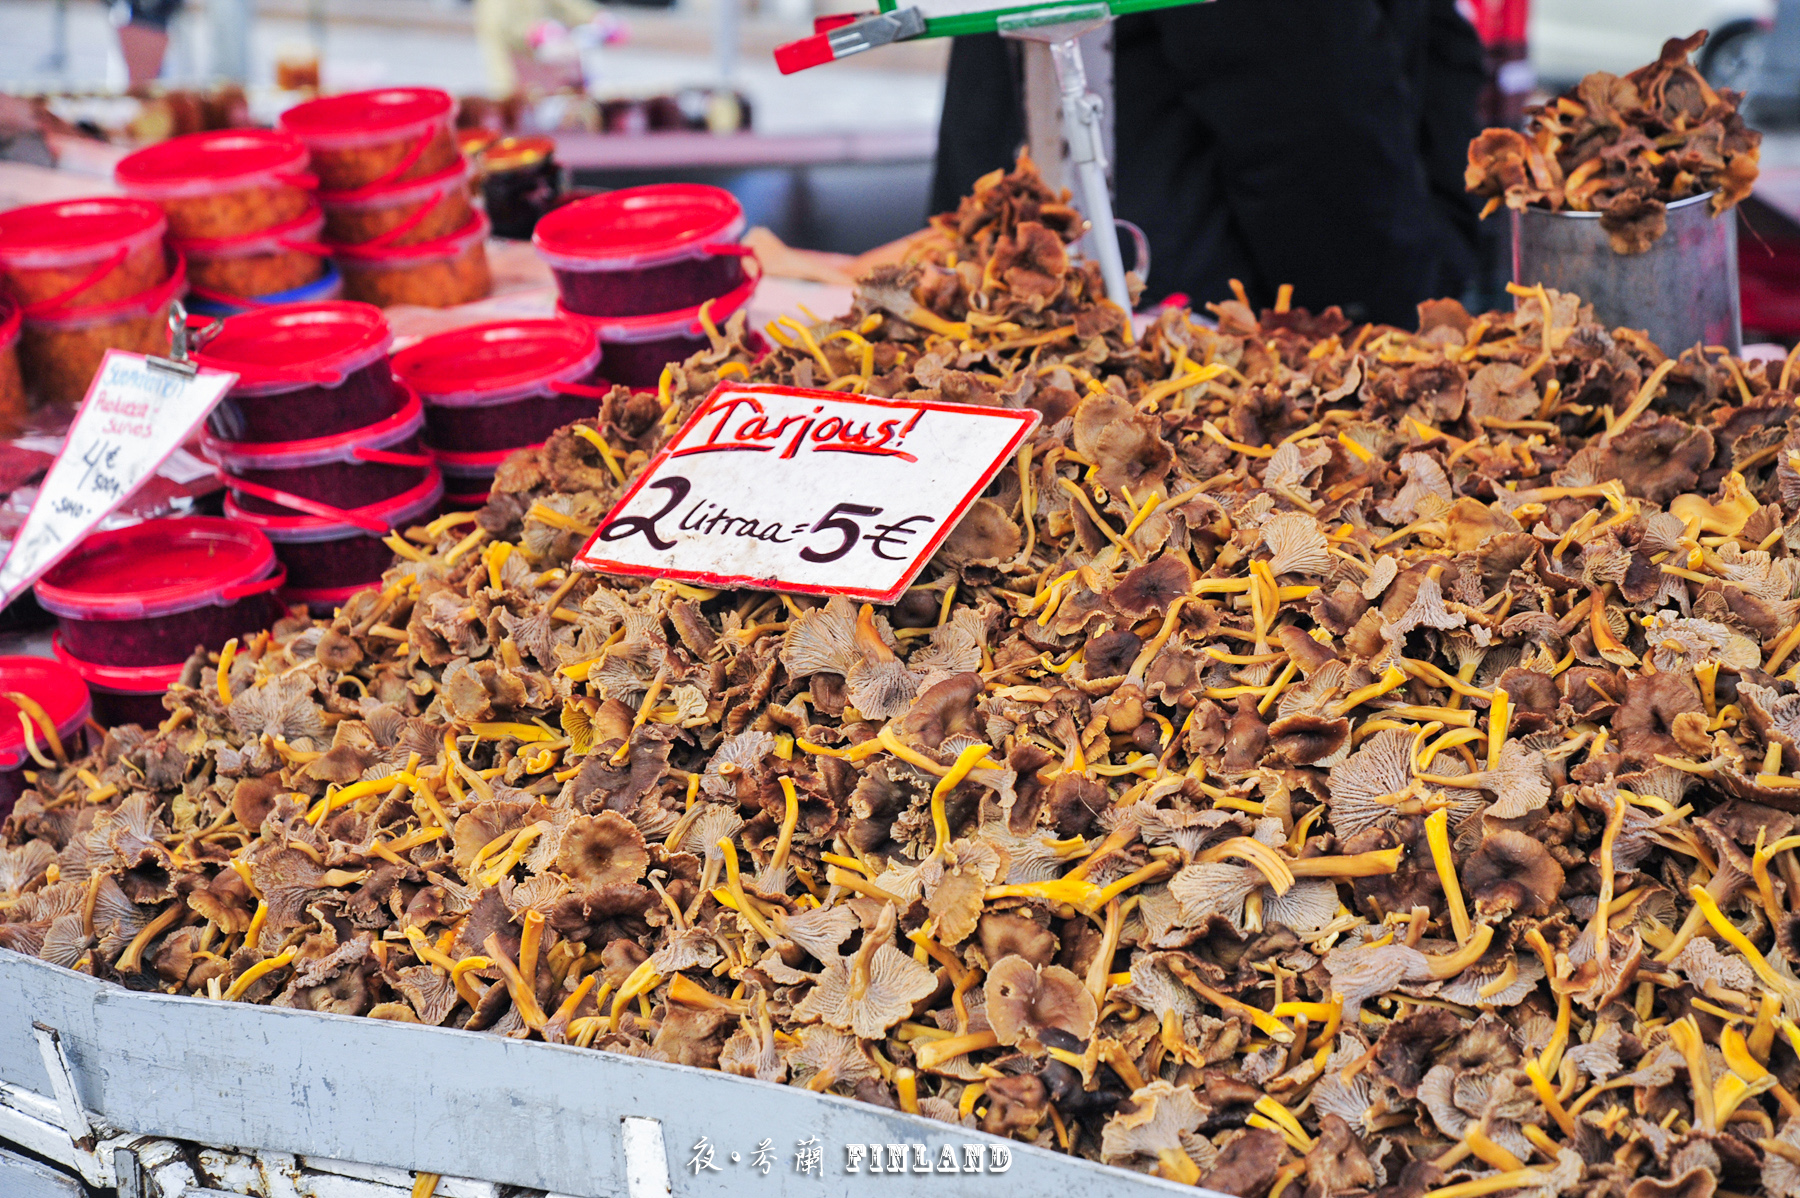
point(813, 492)
point(134, 416)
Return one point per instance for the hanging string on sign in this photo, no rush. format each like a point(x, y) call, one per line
point(137, 411)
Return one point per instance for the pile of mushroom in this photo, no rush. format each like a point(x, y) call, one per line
point(1335, 759)
point(1625, 148)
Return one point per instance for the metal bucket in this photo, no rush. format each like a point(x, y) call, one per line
point(1682, 290)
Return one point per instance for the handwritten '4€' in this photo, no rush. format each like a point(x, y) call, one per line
point(826, 539)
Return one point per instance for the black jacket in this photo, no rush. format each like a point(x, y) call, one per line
point(1313, 142)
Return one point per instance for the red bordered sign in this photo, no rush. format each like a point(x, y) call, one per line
point(811, 492)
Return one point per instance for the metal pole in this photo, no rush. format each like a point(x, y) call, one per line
point(1081, 111)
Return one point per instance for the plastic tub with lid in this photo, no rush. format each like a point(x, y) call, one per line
point(432, 274)
point(290, 256)
point(351, 469)
point(644, 250)
point(503, 385)
point(79, 253)
point(638, 347)
point(327, 286)
point(61, 697)
point(304, 371)
point(387, 135)
point(122, 694)
point(400, 213)
point(148, 594)
point(223, 183)
point(330, 555)
point(14, 404)
point(60, 349)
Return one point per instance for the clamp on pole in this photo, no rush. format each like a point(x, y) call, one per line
point(1081, 110)
point(841, 36)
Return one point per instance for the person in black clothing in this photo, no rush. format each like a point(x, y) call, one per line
point(1313, 142)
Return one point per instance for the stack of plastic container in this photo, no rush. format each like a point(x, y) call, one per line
point(492, 389)
point(133, 603)
point(396, 195)
point(88, 276)
point(638, 265)
point(319, 445)
point(241, 209)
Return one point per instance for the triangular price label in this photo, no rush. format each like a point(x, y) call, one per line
point(133, 417)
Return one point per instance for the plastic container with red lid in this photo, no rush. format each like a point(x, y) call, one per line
point(122, 694)
point(60, 349)
point(644, 250)
point(351, 469)
point(503, 385)
point(638, 347)
point(443, 273)
point(382, 136)
point(80, 252)
point(330, 557)
point(400, 213)
point(259, 263)
point(304, 371)
point(222, 183)
point(148, 594)
point(64, 698)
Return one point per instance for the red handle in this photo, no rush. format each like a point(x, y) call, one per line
point(305, 247)
point(406, 164)
point(310, 507)
point(406, 226)
point(244, 590)
point(387, 458)
point(45, 306)
point(581, 389)
point(729, 249)
point(304, 180)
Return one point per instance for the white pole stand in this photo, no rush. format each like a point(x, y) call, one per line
point(1081, 112)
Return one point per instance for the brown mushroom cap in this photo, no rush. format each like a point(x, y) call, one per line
point(602, 850)
point(1512, 872)
point(1025, 1000)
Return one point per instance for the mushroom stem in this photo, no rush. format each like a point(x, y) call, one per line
point(1266, 860)
point(1601, 931)
point(1493, 1183)
point(459, 978)
point(257, 972)
point(524, 994)
point(934, 1054)
point(1547, 1095)
point(642, 980)
point(1451, 964)
point(734, 884)
point(1348, 865)
point(130, 961)
point(966, 761)
point(1437, 835)
point(1709, 908)
point(1101, 966)
point(1684, 1034)
point(1489, 1152)
point(1261, 1019)
point(1177, 1166)
point(789, 820)
point(1391, 680)
point(1638, 404)
point(557, 1029)
point(529, 940)
point(689, 993)
point(1762, 1032)
point(1499, 713)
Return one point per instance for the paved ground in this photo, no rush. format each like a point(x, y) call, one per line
point(429, 42)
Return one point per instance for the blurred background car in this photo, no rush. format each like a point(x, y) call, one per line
point(1569, 38)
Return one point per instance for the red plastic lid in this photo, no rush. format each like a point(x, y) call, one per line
point(76, 315)
point(157, 568)
point(638, 226)
point(132, 680)
point(55, 687)
point(334, 119)
point(494, 363)
point(54, 234)
point(201, 162)
point(299, 529)
point(480, 463)
point(297, 345)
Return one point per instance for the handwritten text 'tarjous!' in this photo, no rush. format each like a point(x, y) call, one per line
point(741, 424)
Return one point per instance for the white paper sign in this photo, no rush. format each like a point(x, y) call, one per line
point(133, 417)
point(812, 492)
